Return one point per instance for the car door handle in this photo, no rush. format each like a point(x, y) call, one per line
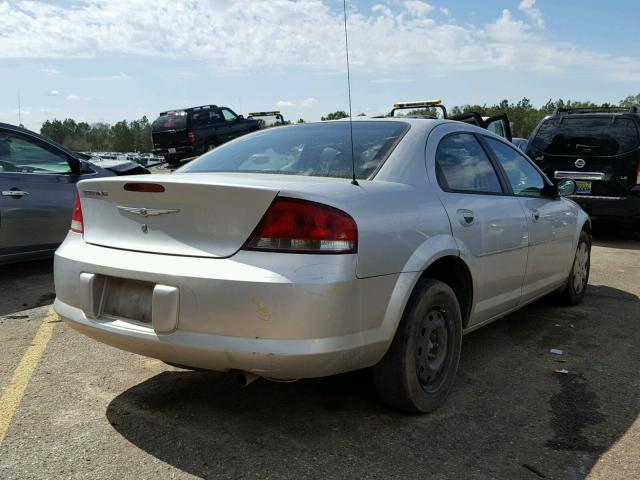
point(535, 214)
point(466, 217)
point(14, 193)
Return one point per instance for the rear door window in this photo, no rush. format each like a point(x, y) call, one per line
point(463, 166)
point(583, 135)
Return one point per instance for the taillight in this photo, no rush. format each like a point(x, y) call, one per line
point(191, 137)
point(77, 224)
point(638, 174)
point(300, 226)
point(144, 187)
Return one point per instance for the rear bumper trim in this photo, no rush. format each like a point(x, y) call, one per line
point(579, 175)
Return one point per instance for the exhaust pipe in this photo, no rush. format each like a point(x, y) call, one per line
point(245, 378)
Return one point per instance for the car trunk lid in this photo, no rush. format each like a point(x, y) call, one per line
point(181, 215)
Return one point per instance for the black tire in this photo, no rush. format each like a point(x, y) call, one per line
point(576, 286)
point(416, 374)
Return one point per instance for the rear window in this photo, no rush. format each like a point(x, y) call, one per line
point(170, 121)
point(611, 135)
point(316, 149)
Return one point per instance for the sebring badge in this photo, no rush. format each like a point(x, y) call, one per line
point(147, 212)
point(580, 163)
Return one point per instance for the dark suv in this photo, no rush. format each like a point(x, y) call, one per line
point(600, 150)
point(188, 132)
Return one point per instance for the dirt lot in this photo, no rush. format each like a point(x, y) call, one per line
point(91, 411)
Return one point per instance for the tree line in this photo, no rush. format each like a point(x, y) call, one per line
point(123, 136)
point(523, 115)
point(135, 136)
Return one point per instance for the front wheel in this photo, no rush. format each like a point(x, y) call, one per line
point(417, 372)
point(574, 290)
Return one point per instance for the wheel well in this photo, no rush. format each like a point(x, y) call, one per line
point(587, 227)
point(455, 273)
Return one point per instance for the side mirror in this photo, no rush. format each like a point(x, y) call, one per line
point(566, 187)
point(240, 117)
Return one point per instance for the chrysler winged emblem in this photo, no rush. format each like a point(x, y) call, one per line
point(147, 212)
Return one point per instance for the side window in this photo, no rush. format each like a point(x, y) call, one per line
point(463, 166)
point(19, 154)
point(525, 180)
point(229, 116)
point(497, 128)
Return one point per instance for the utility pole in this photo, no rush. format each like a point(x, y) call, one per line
point(19, 112)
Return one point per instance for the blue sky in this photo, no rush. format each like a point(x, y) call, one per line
point(106, 60)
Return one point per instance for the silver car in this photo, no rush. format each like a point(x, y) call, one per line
point(265, 258)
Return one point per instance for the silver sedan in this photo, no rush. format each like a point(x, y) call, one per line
point(308, 250)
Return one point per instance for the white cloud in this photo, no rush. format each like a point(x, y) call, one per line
point(445, 11)
point(381, 9)
point(529, 7)
point(73, 97)
point(309, 102)
point(392, 80)
point(284, 103)
point(288, 33)
point(53, 93)
point(418, 8)
point(50, 71)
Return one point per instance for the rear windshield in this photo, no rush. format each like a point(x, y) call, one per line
point(587, 135)
point(316, 149)
point(170, 121)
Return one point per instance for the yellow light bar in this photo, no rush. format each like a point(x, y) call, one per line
point(420, 104)
point(264, 114)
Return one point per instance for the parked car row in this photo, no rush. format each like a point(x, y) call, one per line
point(361, 243)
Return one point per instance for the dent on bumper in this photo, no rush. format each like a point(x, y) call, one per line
point(309, 318)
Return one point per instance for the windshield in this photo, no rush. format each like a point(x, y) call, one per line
point(170, 121)
point(316, 149)
point(610, 135)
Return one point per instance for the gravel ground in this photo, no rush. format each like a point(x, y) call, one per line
point(91, 411)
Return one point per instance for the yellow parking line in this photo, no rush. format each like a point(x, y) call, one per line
point(12, 395)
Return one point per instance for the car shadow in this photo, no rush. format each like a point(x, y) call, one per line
point(608, 234)
point(26, 285)
point(510, 415)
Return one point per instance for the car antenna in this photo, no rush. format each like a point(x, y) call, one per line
point(346, 45)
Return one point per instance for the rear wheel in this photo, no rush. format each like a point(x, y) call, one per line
point(417, 372)
point(574, 290)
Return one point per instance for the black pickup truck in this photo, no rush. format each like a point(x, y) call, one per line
point(188, 132)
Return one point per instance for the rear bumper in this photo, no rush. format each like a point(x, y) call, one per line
point(181, 152)
point(311, 317)
point(619, 209)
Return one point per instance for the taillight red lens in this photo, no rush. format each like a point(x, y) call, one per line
point(77, 224)
point(300, 226)
point(144, 187)
point(638, 175)
point(191, 137)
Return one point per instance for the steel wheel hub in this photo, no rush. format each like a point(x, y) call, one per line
point(580, 268)
point(432, 347)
